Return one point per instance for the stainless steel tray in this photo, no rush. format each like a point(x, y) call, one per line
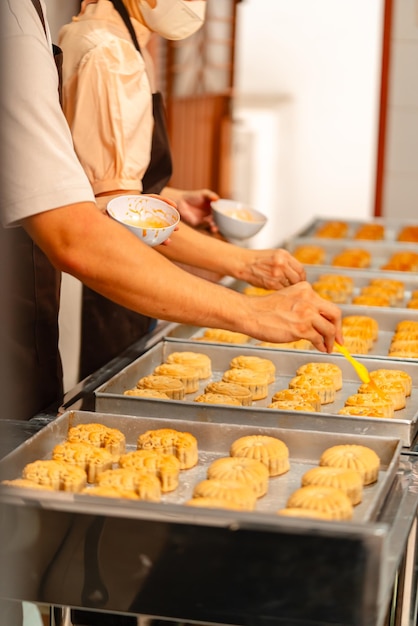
point(110, 398)
point(113, 555)
point(214, 441)
point(380, 252)
point(362, 278)
point(387, 318)
point(392, 227)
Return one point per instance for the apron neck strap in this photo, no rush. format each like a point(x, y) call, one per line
point(37, 5)
point(122, 10)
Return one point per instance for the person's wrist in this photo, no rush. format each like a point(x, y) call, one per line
point(240, 262)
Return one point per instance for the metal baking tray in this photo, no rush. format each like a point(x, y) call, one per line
point(111, 554)
point(214, 441)
point(387, 318)
point(109, 396)
point(380, 252)
point(392, 227)
point(362, 278)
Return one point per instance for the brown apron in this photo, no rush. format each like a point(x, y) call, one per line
point(108, 329)
point(30, 363)
point(33, 373)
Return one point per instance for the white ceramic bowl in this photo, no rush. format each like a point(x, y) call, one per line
point(237, 220)
point(150, 219)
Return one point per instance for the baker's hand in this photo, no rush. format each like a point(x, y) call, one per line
point(271, 269)
point(293, 313)
point(194, 208)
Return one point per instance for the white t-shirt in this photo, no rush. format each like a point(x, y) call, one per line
point(39, 168)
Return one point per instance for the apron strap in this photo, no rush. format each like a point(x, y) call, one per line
point(37, 5)
point(55, 49)
point(123, 12)
point(160, 167)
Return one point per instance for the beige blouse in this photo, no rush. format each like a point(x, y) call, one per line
point(107, 97)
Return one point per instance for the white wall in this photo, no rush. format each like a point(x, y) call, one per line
point(60, 12)
point(400, 190)
point(311, 71)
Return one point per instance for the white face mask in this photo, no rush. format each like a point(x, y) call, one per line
point(174, 19)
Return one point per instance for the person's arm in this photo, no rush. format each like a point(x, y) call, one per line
point(80, 240)
point(271, 269)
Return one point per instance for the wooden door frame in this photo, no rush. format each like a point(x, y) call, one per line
point(383, 106)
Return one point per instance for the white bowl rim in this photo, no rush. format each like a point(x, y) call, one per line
point(216, 206)
point(160, 202)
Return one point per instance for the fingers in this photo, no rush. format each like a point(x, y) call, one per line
point(163, 198)
point(211, 224)
point(326, 323)
point(302, 314)
point(293, 271)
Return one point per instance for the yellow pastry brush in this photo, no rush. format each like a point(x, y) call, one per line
point(361, 369)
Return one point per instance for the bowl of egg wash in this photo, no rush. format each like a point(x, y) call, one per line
point(237, 220)
point(150, 219)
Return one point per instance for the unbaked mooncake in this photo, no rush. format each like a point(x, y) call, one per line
point(239, 392)
point(354, 456)
point(299, 344)
point(271, 451)
point(165, 466)
point(223, 336)
point(292, 405)
point(394, 390)
point(363, 321)
point(147, 393)
point(240, 469)
point(186, 373)
point(322, 498)
point(305, 395)
point(386, 375)
point(406, 348)
point(322, 385)
point(323, 369)
point(201, 362)
point(172, 387)
point(91, 459)
point(169, 441)
point(359, 339)
point(100, 436)
point(236, 492)
point(58, 475)
point(353, 257)
point(217, 398)
point(407, 325)
point(331, 292)
point(255, 363)
point(344, 283)
point(333, 229)
point(141, 481)
point(348, 480)
point(309, 254)
point(256, 382)
point(371, 400)
point(362, 411)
